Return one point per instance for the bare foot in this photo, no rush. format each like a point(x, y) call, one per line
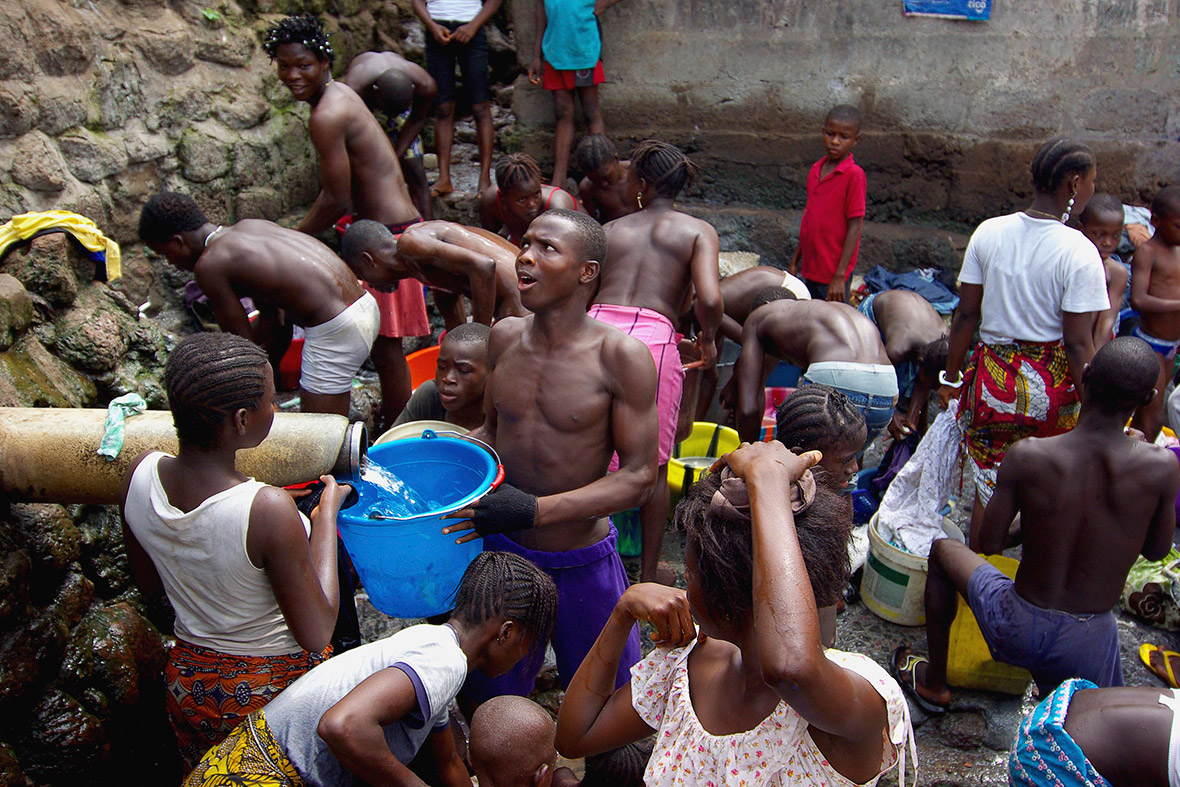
point(441, 188)
point(664, 575)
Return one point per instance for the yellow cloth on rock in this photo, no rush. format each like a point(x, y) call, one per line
point(86, 232)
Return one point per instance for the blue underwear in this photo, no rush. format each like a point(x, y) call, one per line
point(1162, 346)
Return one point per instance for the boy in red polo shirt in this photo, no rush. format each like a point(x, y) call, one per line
point(829, 235)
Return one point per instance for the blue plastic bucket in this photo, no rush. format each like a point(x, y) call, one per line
point(408, 567)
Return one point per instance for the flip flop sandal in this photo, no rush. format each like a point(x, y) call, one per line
point(909, 687)
point(1166, 656)
point(437, 192)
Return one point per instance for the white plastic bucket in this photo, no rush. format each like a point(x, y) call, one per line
point(893, 585)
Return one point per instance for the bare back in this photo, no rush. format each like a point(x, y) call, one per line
point(907, 323)
point(607, 202)
point(376, 186)
point(807, 332)
point(278, 267)
point(442, 254)
point(738, 290)
point(1089, 503)
point(555, 411)
point(364, 69)
point(653, 257)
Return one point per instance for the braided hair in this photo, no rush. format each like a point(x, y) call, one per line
point(516, 169)
point(1057, 160)
point(305, 29)
point(169, 213)
point(725, 549)
point(817, 417)
point(500, 584)
point(209, 377)
point(594, 151)
point(664, 166)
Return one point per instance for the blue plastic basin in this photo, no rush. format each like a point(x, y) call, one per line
point(408, 567)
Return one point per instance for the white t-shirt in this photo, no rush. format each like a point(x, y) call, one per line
point(429, 655)
point(453, 10)
point(1032, 271)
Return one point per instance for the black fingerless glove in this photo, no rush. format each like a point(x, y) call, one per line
point(504, 510)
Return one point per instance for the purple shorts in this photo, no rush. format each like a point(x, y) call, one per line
point(589, 582)
point(1054, 646)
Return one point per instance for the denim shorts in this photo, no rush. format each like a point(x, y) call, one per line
point(871, 387)
point(472, 58)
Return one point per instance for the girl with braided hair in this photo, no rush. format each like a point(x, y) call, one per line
point(739, 690)
point(252, 581)
point(519, 196)
point(364, 715)
point(1034, 288)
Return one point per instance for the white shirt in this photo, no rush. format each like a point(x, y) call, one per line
point(453, 10)
point(1032, 271)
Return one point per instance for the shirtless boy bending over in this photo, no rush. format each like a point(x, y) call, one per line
point(280, 269)
point(451, 259)
point(358, 172)
point(1155, 293)
point(1089, 502)
point(655, 259)
point(835, 345)
point(564, 393)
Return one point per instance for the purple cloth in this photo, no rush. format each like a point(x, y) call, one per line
point(1054, 646)
point(589, 582)
point(1176, 451)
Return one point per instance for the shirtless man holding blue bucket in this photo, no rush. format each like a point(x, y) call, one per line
point(564, 393)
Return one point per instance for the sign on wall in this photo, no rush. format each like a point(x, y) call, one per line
point(949, 9)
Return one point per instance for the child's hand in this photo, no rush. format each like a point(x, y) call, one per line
point(750, 458)
point(333, 496)
point(440, 33)
point(535, 71)
point(899, 428)
point(947, 392)
point(465, 33)
point(836, 290)
point(664, 607)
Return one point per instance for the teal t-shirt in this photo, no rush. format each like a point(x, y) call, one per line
point(571, 37)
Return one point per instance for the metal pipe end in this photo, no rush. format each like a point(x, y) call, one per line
point(354, 448)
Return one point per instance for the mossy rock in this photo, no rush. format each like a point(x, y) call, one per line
point(30, 376)
point(62, 741)
point(95, 335)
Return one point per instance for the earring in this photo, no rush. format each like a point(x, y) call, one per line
point(1068, 209)
point(639, 199)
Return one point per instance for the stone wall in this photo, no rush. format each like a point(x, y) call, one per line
point(953, 110)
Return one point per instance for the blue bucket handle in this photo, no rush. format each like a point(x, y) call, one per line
point(430, 434)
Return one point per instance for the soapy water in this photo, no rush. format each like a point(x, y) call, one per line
point(697, 462)
point(395, 498)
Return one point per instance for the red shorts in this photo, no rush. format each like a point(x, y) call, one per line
point(570, 80)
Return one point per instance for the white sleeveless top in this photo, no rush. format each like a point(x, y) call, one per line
point(222, 601)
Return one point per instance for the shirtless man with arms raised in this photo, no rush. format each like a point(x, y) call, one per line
point(279, 269)
point(451, 259)
point(564, 394)
point(403, 92)
point(358, 171)
point(655, 259)
point(835, 345)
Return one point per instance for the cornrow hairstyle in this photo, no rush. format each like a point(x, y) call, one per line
point(845, 113)
point(501, 584)
point(817, 417)
point(1166, 202)
point(594, 151)
point(664, 166)
point(1057, 160)
point(589, 233)
point(770, 295)
point(304, 29)
point(516, 169)
point(725, 550)
point(209, 377)
point(1101, 205)
point(621, 767)
point(169, 213)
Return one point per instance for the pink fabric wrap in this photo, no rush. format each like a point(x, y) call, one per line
point(657, 332)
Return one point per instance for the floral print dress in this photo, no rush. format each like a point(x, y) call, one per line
point(777, 752)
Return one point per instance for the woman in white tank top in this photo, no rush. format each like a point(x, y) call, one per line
point(253, 583)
